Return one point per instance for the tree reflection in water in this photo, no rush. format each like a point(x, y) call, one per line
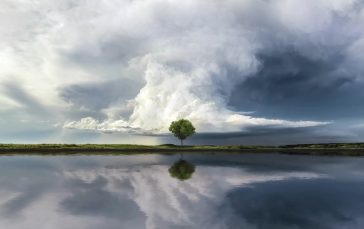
point(182, 170)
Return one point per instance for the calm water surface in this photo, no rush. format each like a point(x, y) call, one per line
point(162, 192)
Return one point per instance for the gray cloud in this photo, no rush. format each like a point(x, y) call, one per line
point(293, 86)
point(140, 64)
point(90, 99)
point(24, 98)
point(275, 209)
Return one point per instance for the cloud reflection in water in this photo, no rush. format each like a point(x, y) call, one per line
point(146, 196)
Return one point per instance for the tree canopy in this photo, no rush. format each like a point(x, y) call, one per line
point(182, 129)
point(182, 170)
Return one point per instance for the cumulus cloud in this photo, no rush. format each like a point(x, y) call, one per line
point(186, 58)
point(90, 123)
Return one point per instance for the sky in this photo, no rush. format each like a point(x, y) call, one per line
point(243, 71)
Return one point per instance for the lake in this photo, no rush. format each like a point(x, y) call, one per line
point(221, 191)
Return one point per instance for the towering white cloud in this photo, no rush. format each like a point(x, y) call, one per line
point(186, 56)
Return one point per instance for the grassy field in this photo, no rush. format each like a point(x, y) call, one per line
point(347, 149)
point(116, 147)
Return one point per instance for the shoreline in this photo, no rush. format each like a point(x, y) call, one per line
point(118, 149)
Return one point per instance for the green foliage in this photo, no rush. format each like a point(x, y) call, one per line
point(182, 170)
point(182, 129)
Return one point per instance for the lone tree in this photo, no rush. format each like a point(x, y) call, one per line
point(182, 170)
point(182, 129)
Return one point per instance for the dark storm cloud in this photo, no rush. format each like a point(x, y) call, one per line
point(293, 86)
point(319, 204)
point(268, 136)
point(255, 132)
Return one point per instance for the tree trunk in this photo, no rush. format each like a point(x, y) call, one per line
point(181, 142)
